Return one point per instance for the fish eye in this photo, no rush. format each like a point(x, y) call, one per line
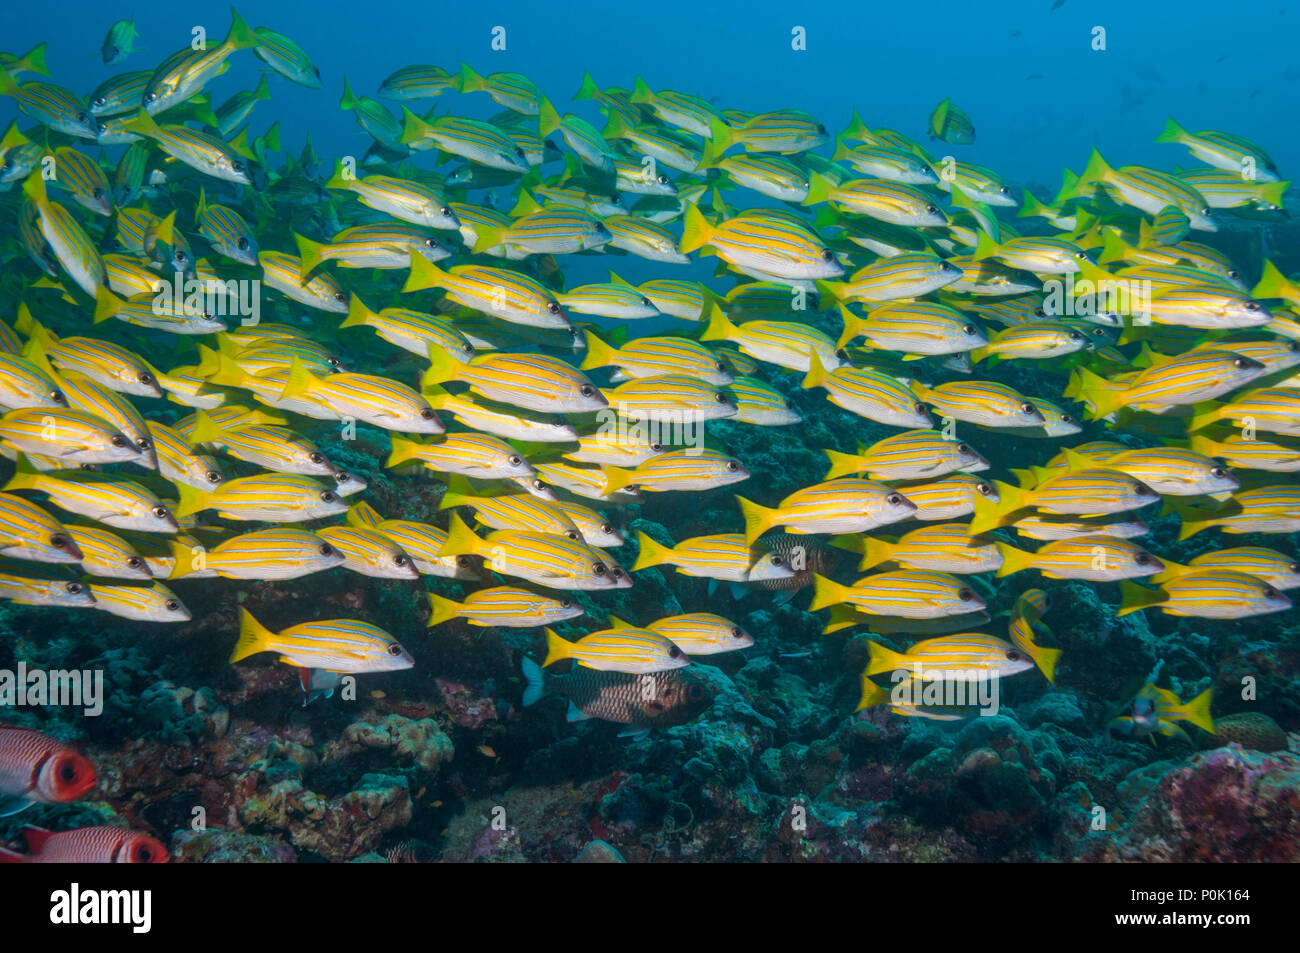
point(674, 652)
point(1218, 472)
point(965, 595)
point(514, 460)
point(573, 534)
point(98, 193)
point(150, 97)
point(401, 560)
point(237, 166)
point(463, 562)
point(1081, 255)
point(720, 397)
point(171, 605)
point(1294, 567)
point(1066, 419)
point(919, 407)
point(134, 562)
point(426, 414)
point(931, 209)
point(316, 457)
point(327, 496)
point(81, 117)
point(828, 255)
point(607, 528)
point(968, 329)
point(1142, 559)
point(663, 180)
point(599, 569)
point(1075, 336)
point(59, 541)
point(720, 365)
point(1028, 408)
point(618, 572)
point(394, 648)
point(144, 377)
point(340, 296)
point(657, 447)
point(73, 587)
point(894, 499)
point(777, 560)
point(553, 307)
point(181, 256)
point(1271, 593)
point(1240, 363)
point(586, 390)
point(519, 152)
point(1013, 656)
point(145, 444)
point(242, 244)
point(985, 488)
point(963, 448)
point(1004, 190)
point(326, 549)
point(333, 361)
point(1142, 489)
point(159, 511)
point(100, 100)
point(566, 603)
point(444, 211)
point(736, 632)
point(732, 466)
point(118, 440)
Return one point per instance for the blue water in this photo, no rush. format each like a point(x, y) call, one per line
point(1210, 65)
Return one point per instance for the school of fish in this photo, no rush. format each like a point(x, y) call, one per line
point(160, 432)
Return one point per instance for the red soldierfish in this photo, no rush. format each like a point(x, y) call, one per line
point(37, 769)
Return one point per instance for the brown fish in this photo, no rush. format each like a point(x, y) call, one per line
point(641, 701)
point(806, 555)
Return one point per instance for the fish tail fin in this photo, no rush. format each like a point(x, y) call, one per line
point(241, 35)
point(826, 593)
point(883, 659)
point(696, 230)
point(588, 89)
point(1197, 711)
point(719, 327)
point(403, 450)
point(985, 247)
point(461, 540)
point(1093, 173)
point(300, 380)
point(424, 274)
point(1013, 560)
point(819, 188)
point(1103, 397)
point(311, 253)
point(557, 648)
point(1204, 413)
point(650, 553)
point(442, 367)
point(359, 313)
point(1172, 131)
point(852, 326)
point(253, 637)
point(1272, 283)
point(990, 515)
point(206, 430)
point(341, 177)
point(33, 61)
point(107, 304)
point(758, 519)
point(1134, 597)
point(458, 493)
point(842, 464)
point(441, 609)
point(874, 552)
point(616, 478)
point(469, 81)
point(192, 500)
point(143, 125)
point(872, 694)
point(548, 119)
point(722, 136)
point(817, 375)
point(1045, 658)
point(599, 354)
point(536, 679)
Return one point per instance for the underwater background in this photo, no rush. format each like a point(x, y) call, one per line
point(443, 761)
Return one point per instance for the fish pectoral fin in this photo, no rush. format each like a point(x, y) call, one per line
point(634, 734)
point(575, 713)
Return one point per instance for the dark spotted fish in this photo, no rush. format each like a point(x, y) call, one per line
point(806, 555)
point(642, 702)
